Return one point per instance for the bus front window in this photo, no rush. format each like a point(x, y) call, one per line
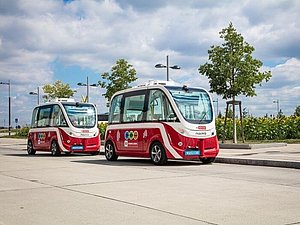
point(81, 115)
point(194, 104)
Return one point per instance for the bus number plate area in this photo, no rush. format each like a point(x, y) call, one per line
point(77, 147)
point(191, 152)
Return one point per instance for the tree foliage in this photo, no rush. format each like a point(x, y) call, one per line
point(122, 74)
point(57, 90)
point(232, 70)
point(297, 111)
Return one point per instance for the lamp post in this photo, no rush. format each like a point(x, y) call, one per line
point(37, 94)
point(277, 102)
point(217, 101)
point(87, 87)
point(175, 67)
point(9, 105)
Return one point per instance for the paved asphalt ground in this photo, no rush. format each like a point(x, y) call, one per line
point(274, 155)
point(83, 189)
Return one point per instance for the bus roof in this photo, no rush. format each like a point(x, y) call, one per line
point(159, 82)
point(155, 84)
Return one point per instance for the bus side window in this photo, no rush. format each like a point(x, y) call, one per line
point(115, 110)
point(58, 119)
point(34, 120)
point(44, 117)
point(133, 107)
point(159, 107)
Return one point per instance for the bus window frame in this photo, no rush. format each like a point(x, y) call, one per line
point(176, 119)
point(38, 116)
point(110, 110)
point(131, 94)
point(35, 124)
point(62, 113)
point(34, 117)
point(202, 121)
point(69, 122)
point(145, 92)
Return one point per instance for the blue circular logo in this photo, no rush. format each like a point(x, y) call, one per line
point(126, 135)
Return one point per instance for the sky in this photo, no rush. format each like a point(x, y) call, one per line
point(48, 40)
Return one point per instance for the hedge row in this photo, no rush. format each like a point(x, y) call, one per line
point(254, 128)
point(262, 128)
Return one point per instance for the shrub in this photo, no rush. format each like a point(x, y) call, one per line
point(263, 128)
point(22, 132)
point(102, 128)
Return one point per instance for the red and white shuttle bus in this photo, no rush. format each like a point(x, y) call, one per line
point(162, 121)
point(64, 126)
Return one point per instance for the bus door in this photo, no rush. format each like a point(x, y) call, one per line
point(42, 136)
point(131, 136)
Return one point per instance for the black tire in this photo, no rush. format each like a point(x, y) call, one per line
point(55, 151)
point(110, 153)
point(158, 154)
point(30, 149)
point(207, 160)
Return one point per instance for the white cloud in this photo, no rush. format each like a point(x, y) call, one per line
point(94, 34)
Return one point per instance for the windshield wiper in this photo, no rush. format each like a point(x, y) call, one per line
point(204, 115)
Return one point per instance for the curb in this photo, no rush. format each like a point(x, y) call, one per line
point(259, 162)
point(251, 146)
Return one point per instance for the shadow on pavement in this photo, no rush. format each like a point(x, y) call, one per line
point(138, 162)
point(48, 154)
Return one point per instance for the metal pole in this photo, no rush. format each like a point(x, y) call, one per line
point(87, 89)
point(217, 111)
point(241, 118)
point(167, 68)
point(38, 95)
point(226, 114)
point(277, 107)
point(234, 122)
point(9, 109)
point(217, 107)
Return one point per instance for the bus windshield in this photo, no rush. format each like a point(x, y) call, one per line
point(194, 104)
point(81, 115)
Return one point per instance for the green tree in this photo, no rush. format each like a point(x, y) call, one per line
point(232, 71)
point(297, 111)
point(57, 90)
point(122, 74)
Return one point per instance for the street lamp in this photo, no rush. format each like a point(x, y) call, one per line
point(175, 67)
point(87, 87)
point(217, 101)
point(37, 94)
point(9, 105)
point(277, 102)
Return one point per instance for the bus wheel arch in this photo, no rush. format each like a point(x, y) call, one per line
point(158, 153)
point(109, 151)
point(30, 149)
point(55, 150)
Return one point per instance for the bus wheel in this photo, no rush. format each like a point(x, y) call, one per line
point(55, 151)
point(207, 160)
point(158, 154)
point(30, 149)
point(110, 153)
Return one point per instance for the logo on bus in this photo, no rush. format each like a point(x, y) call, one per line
point(131, 135)
point(41, 136)
point(201, 127)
